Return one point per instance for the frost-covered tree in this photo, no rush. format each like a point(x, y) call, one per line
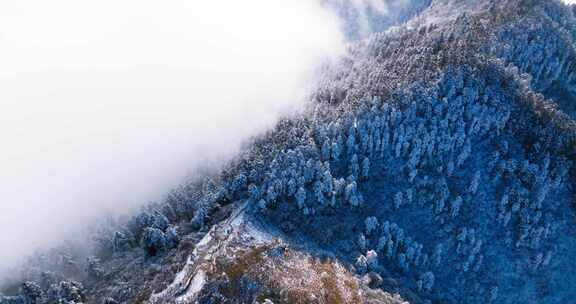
point(94, 267)
point(239, 183)
point(271, 194)
point(339, 186)
point(365, 173)
point(351, 195)
point(327, 180)
point(473, 188)
point(160, 221)
point(361, 264)
point(319, 192)
point(493, 294)
point(254, 192)
point(292, 187)
point(109, 300)
point(301, 198)
point(437, 255)
point(122, 241)
point(354, 167)
point(403, 262)
point(372, 260)
point(153, 241)
point(336, 150)
point(428, 280)
point(455, 207)
point(398, 200)
point(30, 292)
point(351, 141)
point(371, 224)
point(66, 292)
point(382, 242)
point(172, 237)
point(326, 151)
point(362, 242)
point(409, 195)
point(262, 204)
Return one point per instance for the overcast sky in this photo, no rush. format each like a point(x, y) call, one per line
point(105, 105)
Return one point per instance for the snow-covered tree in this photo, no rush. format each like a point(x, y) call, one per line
point(319, 192)
point(371, 224)
point(428, 280)
point(455, 207)
point(473, 188)
point(94, 268)
point(361, 264)
point(301, 198)
point(354, 168)
point(153, 241)
point(160, 221)
point(351, 194)
point(122, 241)
point(398, 200)
point(336, 151)
point(326, 151)
point(254, 192)
point(365, 173)
point(372, 260)
point(172, 237)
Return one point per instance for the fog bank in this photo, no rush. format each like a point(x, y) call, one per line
point(105, 105)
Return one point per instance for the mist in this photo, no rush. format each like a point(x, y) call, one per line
point(105, 105)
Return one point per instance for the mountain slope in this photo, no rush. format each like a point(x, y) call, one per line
point(433, 164)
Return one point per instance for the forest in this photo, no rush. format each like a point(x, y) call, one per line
point(437, 152)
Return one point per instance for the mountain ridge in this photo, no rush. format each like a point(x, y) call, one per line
point(434, 164)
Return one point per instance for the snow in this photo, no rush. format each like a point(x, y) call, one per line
point(195, 286)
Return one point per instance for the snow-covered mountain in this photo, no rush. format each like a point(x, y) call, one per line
point(434, 164)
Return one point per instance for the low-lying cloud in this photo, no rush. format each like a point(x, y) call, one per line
point(105, 105)
point(363, 17)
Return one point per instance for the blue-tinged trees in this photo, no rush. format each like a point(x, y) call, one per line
point(428, 281)
point(455, 207)
point(122, 241)
point(153, 241)
point(351, 194)
point(365, 172)
point(160, 221)
point(94, 267)
point(336, 150)
point(372, 260)
point(239, 183)
point(351, 141)
point(473, 188)
point(398, 200)
point(371, 224)
point(31, 293)
point(354, 167)
point(339, 185)
point(319, 192)
point(262, 204)
point(172, 237)
point(301, 198)
point(254, 192)
point(326, 151)
point(361, 264)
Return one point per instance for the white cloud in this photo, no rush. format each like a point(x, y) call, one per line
point(106, 104)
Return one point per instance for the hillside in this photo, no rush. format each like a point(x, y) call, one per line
point(434, 163)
